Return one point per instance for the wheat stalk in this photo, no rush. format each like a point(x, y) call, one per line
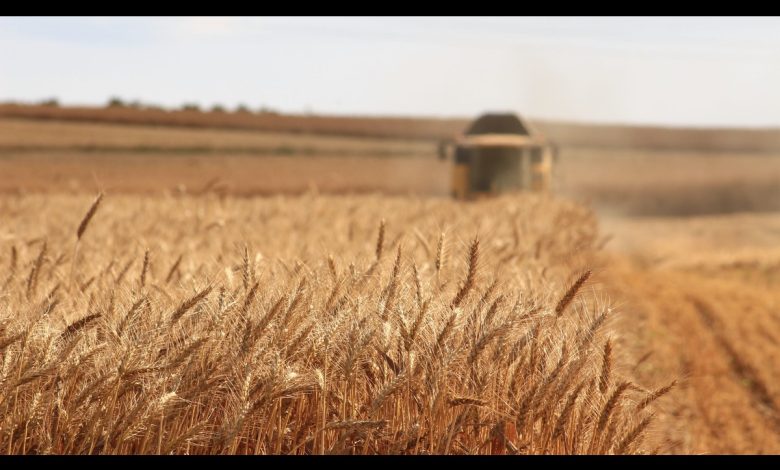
point(655, 395)
point(88, 216)
point(185, 306)
point(606, 366)
point(571, 293)
point(471, 275)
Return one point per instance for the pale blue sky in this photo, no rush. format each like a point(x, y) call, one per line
point(672, 71)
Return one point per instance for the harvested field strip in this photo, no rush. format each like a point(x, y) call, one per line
point(744, 371)
point(708, 332)
point(217, 150)
point(87, 173)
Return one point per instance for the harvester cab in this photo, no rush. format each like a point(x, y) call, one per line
point(498, 153)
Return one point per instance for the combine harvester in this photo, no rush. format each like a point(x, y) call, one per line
point(499, 153)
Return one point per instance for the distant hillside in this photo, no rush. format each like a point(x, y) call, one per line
point(564, 134)
point(408, 128)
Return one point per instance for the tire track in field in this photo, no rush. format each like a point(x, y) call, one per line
point(702, 295)
point(744, 371)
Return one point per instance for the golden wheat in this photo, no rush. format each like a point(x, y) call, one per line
point(311, 341)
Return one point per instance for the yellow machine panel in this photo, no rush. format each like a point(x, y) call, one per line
point(460, 180)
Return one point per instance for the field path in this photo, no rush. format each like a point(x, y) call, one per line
point(700, 305)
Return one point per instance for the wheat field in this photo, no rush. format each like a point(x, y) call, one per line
point(238, 292)
point(311, 324)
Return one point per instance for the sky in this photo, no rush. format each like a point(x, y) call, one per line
point(700, 72)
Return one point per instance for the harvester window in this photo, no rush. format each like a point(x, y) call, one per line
point(536, 155)
point(462, 155)
point(496, 169)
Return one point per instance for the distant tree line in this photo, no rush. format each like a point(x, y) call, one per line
point(52, 102)
point(116, 102)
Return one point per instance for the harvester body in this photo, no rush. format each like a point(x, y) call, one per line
point(499, 153)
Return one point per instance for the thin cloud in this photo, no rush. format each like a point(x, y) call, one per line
point(677, 71)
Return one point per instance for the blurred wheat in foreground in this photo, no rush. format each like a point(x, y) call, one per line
point(307, 325)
